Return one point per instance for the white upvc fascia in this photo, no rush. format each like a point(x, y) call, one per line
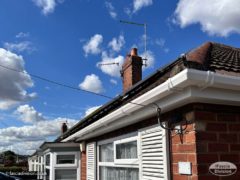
point(188, 86)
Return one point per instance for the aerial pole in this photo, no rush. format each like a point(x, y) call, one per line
point(144, 25)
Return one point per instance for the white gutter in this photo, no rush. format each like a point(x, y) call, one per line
point(187, 86)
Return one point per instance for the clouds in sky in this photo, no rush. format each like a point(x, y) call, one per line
point(13, 85)
point(92, 83)
point(47, 6)
point(19, 46)
point(139, 4)
point(31, 135)
point(27, 138)
point(93, 46)
point(220, 17)
point(117, 43)
point(28, 114)
point(23, 35)
point(111, 10)
point(150, 59)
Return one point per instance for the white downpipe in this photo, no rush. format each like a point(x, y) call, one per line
point(175, 86)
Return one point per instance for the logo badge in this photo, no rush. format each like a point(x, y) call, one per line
point(223, 168)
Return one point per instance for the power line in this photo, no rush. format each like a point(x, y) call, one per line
point(64, 85)
point(55, 82)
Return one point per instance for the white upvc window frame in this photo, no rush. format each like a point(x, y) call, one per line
point(120, 139)
point(67, 165)
point(126, 161)
point(50, 160)
point(56, 166)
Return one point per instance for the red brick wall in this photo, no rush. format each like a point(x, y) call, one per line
point(218, 139)
point(212, 136)
point(83, 165)
point(183, 149)
point(132, 71)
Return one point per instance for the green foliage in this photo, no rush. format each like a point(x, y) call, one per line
point(12, 169)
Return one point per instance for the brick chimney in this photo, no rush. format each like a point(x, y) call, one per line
point(64, 128)
point(131, 70)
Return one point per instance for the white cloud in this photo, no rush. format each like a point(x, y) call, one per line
point(13, 85)
point(150, 59)
point(19, 47)
point(218, 17)
point(160, 42)
point(112, 69)
point(47, 6)
point(26, 139)
point(139, 4)
point(113, 81)
point(93, 45)
point(28, 114)
point(90, 110)
point(111, 9)
point(92, 83)
point(22, 35)
point(117, 44)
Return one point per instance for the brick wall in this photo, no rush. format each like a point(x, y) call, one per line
point(83, 165)
point(183, 149)
point(213, 135)
point(218, 139)
point(132, 71)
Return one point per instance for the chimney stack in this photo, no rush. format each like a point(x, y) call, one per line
point(64, 127)
point(131, 70)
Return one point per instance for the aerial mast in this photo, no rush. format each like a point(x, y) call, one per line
point(144, 25)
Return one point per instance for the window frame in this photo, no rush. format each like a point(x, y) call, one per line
point(122, 141)
point(119, 163)
point(67, 165)
point(45, 160)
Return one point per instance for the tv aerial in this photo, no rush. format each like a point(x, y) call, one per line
point(105, 64)
point(144, 25)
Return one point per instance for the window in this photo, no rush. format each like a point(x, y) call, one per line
point(47, 161)
point(125, 151)
point(47, 174)
point(118, 173)
point(65, 159)
point(65, 174)
point(106, 153)
point(118, 159)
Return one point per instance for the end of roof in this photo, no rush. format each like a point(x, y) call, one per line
point(199, 54)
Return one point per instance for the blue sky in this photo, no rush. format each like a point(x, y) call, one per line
point(65, 40)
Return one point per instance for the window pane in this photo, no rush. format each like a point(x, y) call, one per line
point(47, 174)
point(106, 152)
point(118, 173)
point(47, 162)
point(65, 174)
point(65, 159)
point(127, 150)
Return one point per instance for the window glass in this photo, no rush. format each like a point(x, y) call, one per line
point(47, 160)
point(126, 150)
point(65, 174)
point(118, 173)
point(65, 159)
point(47, 174)
point(106, 153)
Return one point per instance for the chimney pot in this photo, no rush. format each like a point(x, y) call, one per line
point(64, 127)
point(134, 52)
